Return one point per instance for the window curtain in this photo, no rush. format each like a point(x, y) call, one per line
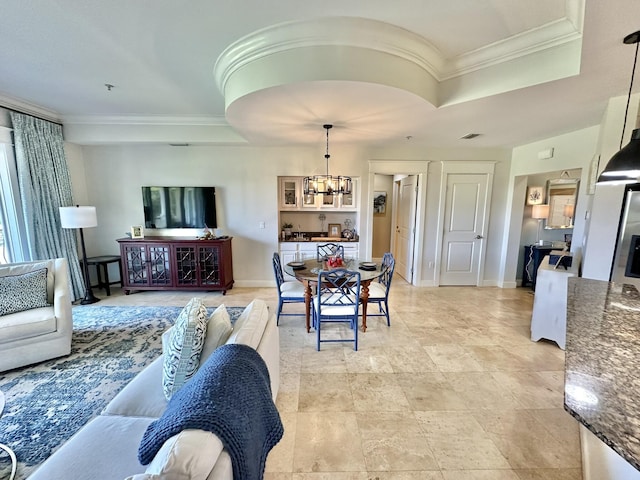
point(45, 185)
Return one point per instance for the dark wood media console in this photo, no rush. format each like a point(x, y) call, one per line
point(174, 263)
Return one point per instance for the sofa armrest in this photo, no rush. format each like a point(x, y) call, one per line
point(62, 296)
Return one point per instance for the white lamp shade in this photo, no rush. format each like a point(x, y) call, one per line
point(568, 210)
point(540, 211)
point(78, 217)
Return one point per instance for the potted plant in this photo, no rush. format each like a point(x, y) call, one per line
point(286, 228)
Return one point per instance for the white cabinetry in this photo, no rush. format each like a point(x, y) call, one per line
point(289, 193)
point(288, 251)
point(291, 197)
point(299, 251)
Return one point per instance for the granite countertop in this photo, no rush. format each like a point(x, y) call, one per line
point(602, 363)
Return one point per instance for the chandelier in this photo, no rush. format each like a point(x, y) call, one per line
point(326, 184)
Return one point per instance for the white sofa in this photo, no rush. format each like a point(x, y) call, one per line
point(107, 446)
point(38, 334)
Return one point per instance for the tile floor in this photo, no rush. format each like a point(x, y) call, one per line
point(453, 390)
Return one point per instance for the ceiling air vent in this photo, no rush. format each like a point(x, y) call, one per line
point(469, 136)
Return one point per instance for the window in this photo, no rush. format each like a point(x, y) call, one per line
point(13, 243)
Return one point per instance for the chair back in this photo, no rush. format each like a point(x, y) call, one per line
point(277, 270)
point(339, 288)
point(388, 266)
point(327, 250)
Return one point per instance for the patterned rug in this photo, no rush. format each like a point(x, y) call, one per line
point(48, 402)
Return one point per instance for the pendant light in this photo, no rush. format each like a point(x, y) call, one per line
point(624, 166)
point(326, 184)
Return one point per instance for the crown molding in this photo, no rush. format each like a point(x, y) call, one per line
point(552, 35)
point(327, 31)
point(215, 120)
point(386, 38)
point(28, 108)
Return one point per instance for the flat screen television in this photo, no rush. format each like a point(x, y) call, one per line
point(179, 207)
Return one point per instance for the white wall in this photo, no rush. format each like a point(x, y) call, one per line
point(606, 204)
point(246, 182)
point(246, 190)
point(570, 151)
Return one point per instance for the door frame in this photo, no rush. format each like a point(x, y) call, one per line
point(393, 167)
point(472, 168)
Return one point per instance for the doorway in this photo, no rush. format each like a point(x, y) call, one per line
point(415, 233)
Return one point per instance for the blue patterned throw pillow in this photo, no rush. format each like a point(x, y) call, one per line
point(23, 292)
point(182, 355)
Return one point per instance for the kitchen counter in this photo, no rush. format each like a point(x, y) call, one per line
point(602, 362)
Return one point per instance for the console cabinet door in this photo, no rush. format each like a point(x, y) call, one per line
point(186, 265)
point(198, 265)
point(146, 265)
point(210, 266)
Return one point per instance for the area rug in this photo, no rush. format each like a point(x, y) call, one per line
point(48, 402)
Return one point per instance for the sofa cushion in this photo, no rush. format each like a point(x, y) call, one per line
point(191, 454)
point(105, 448)
point(23, 292)
point(142, 396)
point(218, 330)
point(182, 357)
point(26, 267)
point(28, 324)
point(249, 327)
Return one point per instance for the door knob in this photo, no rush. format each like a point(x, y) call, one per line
point(478, 237)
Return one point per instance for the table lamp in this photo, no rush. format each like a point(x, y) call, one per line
point(539, 212)
point(81, 217)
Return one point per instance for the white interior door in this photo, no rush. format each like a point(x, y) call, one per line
point(405, 227)
point(464, 223)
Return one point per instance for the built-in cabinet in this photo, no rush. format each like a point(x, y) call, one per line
point(299, 251)
point(169, 263)
point(292, 198)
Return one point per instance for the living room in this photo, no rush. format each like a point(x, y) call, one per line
point(111, 157)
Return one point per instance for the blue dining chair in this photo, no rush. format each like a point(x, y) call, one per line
point(379, 291)
point(289, 291)
point(326, 250)
point(337, 301)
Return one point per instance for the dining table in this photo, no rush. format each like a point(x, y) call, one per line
point(307, 271)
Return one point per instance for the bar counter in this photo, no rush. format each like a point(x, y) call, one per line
point(602, 369)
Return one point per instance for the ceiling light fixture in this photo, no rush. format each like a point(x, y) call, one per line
point(326, 184)
point(624, 166)
point(469, 136)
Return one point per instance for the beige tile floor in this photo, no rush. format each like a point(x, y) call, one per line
point(453, 390)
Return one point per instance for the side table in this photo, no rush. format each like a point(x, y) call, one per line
point(549, 315)
point(102, 268)
point(533, 256)
point(14, 461)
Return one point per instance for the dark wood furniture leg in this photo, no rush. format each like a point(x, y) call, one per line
point(307, 303)
point(364, 295)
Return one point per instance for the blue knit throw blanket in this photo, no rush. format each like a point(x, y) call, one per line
point(230, 395)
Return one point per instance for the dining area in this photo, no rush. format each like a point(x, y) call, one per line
point(334, 290)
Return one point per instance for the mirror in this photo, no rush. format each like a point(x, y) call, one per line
point(562, 195)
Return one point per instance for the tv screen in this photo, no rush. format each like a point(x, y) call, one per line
point(179, 207)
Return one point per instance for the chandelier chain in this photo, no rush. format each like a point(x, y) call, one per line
point(626, 111)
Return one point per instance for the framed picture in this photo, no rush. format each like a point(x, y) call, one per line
point(137, 231)
point(535, 195)
point(380, 203)
point(335, 230)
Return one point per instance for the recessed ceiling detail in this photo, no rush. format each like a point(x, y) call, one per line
point(305, 73)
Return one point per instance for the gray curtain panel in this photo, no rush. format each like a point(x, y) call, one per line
point(44, 183)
